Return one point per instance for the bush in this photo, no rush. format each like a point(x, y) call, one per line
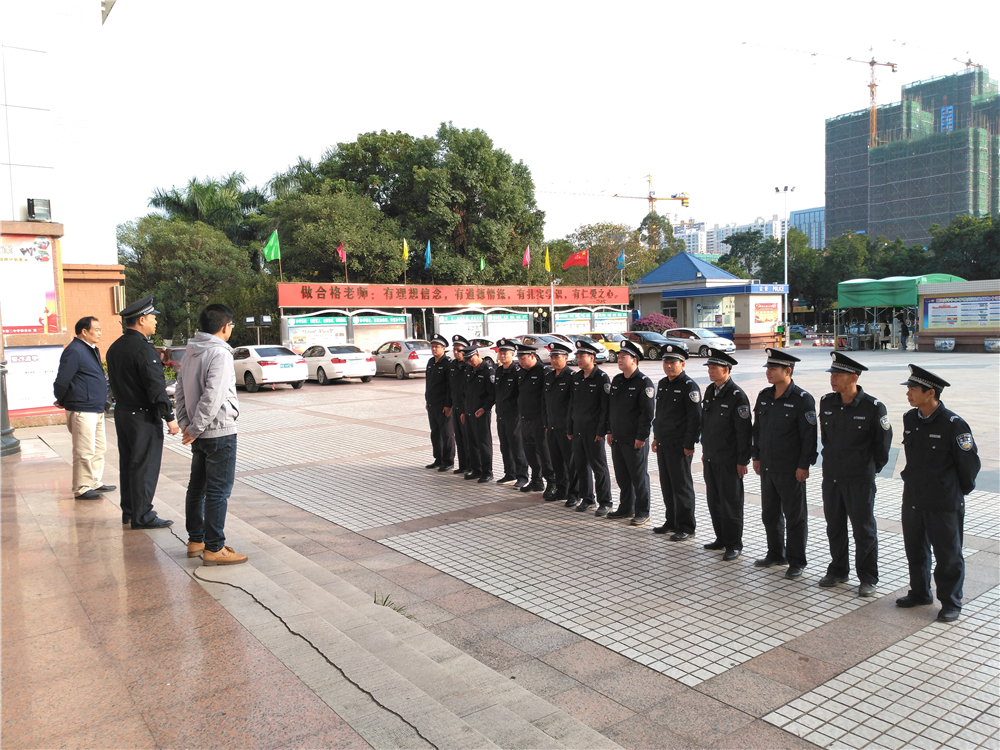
point(656, 322)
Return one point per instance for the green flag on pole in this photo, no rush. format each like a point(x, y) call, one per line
point(482, 264)
point(272, 250)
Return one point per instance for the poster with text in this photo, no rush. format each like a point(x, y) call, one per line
point(28, 284)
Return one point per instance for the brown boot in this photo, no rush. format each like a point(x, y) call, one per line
point(225, 556)
point(195, 549)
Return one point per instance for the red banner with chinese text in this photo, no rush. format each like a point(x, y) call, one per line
point(416, 295)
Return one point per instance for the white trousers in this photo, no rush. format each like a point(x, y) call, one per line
point(89, 445)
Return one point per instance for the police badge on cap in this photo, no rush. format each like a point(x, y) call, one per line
point(140, 308)
point(629, 347)
point(459, 340)
point(506, 345)
point(778, 358)
point(843, 363)
point(719, 357)
point(559, 348)
point(437, 338)
point(587, 347)
point(676, 353)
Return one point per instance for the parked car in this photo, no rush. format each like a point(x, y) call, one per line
point(652, 343)
point(328, 362)
point(263, 364)
point(402, 357)
point(541, 343)
point(171, 356)
point(701, 339)
point(610, 341)
point(800, 330)
point(487, 349)
point(571, 338)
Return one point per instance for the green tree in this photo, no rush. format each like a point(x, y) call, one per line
point(656, 232)
point(846, 258)
point(969, 247)
point(771, 266)
point(184, 265)
point(745, 251)
point(225, 204)
point(895, 259)
point(606, 242)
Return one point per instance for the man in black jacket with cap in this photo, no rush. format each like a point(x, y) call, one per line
point(558, 385)
point(630, 411)
point(508, 376)
point(480, 395)
point(942, 463)
point(856, 439)
point(437, 396)
point(456, 384)
point(726, 435)
point(531, 407)
point(141, 402)
point(586, 426)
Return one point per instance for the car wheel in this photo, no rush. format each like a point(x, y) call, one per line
point(653, 352)
point(612, 356)
point(490, 360)
point(251, 385)
point(298, 384)
point(703, 352)
point(321, 377)
point(366, 378)
point(401, 374)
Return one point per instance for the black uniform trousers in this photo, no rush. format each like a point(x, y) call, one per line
point(461, 438)
point(783, 503)
point(591, 463)
point(536, 449)
point(677, 486)
point(852, 500)
point(561, 451)
point(442, 436)
point(511, 448)
point(480, 448)
point(140, 449)
point(942, 531)
point(632, 475)
point(724, 490)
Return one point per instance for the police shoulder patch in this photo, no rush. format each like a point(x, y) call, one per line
point(607, 387)
point(965, 441)
point(695, 396)
point(649, 392)
point(493, 378)
point(884, 421)
point(744, 412)
point(811, 417)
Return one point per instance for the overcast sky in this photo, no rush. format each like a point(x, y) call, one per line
point(591, 97)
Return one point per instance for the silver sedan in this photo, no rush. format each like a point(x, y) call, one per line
point(402, 357)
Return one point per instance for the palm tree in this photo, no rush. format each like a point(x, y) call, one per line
point(224, 204)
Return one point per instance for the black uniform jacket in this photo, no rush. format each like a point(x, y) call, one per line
point(136, 375)
point(507, 389)
point(587, 413)
point(456, 382)
point(557, 393)
point(942, 460)
point(437, 386)
point(856, 436)
point(678, 412)
point(531, 392)
point(784, 430)
point(726, 431)
point(480, 388)
point(631, 407)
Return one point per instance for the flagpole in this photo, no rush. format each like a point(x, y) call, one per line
point(281, 275)
point(345, 268)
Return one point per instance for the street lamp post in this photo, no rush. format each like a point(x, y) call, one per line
point(785, 192)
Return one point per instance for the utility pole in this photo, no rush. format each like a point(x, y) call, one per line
point(785, 192)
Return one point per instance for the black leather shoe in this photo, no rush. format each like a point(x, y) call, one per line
point(506, 479)
point(459, 470)
point(866, 589)
point(106, 488)
point(157, 523)
point(485, 478)
point(714, 545)
point(572, 502)
point(664, 529)
point(446, 467)
point(793, 572)
point(680, 536)
point(585, 506)
point(90, 495)
point(770, 562)
point(602, 511)
point(433, 465)
point(534, 486)
point(520, 484)
point(912, 601)
point(126, 521)
point(639, 521)
point(615, 514)
point(948, 615)
point(829, 581)
point(731, 554)
point(472, 475)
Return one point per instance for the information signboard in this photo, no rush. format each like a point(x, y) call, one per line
point(972, 312)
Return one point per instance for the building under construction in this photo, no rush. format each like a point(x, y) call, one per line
point(938, 156)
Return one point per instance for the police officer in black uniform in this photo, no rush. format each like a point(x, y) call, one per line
point(676, 428)
point(726, 436)
point(630, 417)
point(531, 407)
point(437, 396)
point(558, 386)
point(135, 372)
point(784, 447)
point(480, 395)
point(856, 438)
point(586, 426)
point(508, 376)
point(942, 463)
point(456, 384)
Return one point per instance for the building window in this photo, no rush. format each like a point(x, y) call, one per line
point(669, 307)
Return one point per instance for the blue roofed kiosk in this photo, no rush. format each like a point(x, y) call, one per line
point(697, 294)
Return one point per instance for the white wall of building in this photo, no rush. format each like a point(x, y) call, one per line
point(712, 240)
point(56, 116)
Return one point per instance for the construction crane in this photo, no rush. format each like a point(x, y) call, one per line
point(968, 63)
point(652, 197)
point(873, 113)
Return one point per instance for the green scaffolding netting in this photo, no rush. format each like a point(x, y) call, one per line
point(892, 291)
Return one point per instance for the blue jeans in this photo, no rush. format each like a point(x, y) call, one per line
point(213, 471)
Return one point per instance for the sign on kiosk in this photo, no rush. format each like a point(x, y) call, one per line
point(371, 331)
point(299, 333)
point(611, 321)
point(412, 295)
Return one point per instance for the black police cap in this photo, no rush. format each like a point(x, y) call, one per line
point(140, 308)
point(920, 376)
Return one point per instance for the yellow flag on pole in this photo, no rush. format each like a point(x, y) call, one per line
point(547, 267)
point(406, 249)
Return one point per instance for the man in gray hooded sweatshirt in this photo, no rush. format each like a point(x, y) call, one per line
point(207, 409)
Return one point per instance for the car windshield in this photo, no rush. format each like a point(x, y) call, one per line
point(418, 344)
point(345, 349)
point(614, 337)
point(703, 333)
point(653, 336)
point(274, 351)
point(550, 339)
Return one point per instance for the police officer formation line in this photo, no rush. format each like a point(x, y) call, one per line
point(553, 423)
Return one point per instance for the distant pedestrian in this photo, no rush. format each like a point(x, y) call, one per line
point(904, 332)
point(82, 390)
point(630, 418)
point(437, 398)
point(886, 335)
point(207, 410)
point(141, 405)
point(586, 426)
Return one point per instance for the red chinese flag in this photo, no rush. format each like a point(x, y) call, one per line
point(581, 258)
point(341, 253)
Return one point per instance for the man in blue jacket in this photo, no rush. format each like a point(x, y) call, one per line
point(82, 390)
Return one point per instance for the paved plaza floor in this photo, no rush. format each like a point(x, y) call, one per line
point(390, 606)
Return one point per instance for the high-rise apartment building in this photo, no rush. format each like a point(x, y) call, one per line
point(812, 223)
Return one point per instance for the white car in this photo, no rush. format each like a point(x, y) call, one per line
point(268, 364)
point(402, 357)
point(328, 362)
point(700, 340)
